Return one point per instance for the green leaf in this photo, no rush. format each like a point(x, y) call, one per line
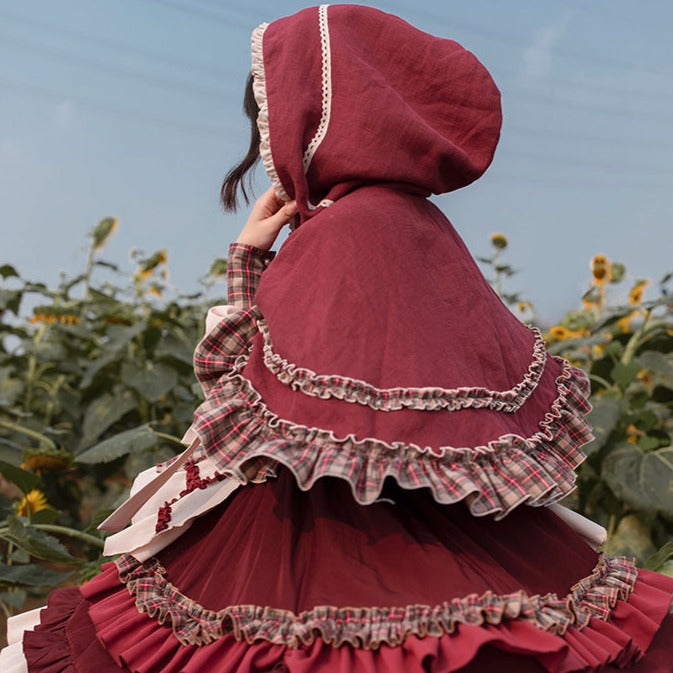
point(30, 575)
point(37, 543)
point(660, 557)
point(95, 366)
point(103, 412)
point(643, 480)
point(632, 538)
point(152, 381)
point(10, 300)
point(648, 443)
point(120, 335)
point(603, 418)
point(8, 271)
point(657, 363)
point(25, 480)
point(218, 267)
point(132, 441)
point(104, 229)
point(617, 271)
point(138, 462)
point(47, 515)
point(174, 347)
point(623, 374)
point(15, 598)
point(20, 556)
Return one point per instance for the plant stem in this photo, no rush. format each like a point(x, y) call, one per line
point(63, 530)
point(30, 433)
point(88, 270)
point(642, 335)
point(168, 438)
point(601, 380)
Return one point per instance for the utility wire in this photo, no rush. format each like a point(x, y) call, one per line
point(111, 110)
point(172, 85)
point(222, 74)
point(520, 42)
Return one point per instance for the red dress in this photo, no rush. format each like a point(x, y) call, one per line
point(370, 484)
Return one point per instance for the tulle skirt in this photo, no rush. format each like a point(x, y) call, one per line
point(278, 579)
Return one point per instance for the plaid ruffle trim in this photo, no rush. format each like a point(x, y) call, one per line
point(594, 596)
point(242, 436)
point(430, 398)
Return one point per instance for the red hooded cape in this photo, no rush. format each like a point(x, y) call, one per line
point(377, 347)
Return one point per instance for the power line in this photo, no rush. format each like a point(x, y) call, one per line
point(554, 135)
point(101, 107)
point(120, 47)
point(154, 80)
point(204, 14)
point(659, 93)
point(520, 41)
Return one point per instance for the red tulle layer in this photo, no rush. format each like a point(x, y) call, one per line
point(66, 643)
point(273, 545)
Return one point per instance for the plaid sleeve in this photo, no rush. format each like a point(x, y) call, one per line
point(244, 269)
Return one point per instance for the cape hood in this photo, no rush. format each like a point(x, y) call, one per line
point(350, 95)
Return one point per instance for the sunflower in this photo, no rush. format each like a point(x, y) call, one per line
point(34, 501)
point(499, 241)
point(559, 333)
point(600, 269)
point(46, 459)
point(636, 293)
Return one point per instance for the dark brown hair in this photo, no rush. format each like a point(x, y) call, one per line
point(235, 178)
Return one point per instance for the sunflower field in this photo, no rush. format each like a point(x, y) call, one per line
point(96, 385)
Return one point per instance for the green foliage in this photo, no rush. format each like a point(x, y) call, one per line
point(626, 345)
point(96, 384)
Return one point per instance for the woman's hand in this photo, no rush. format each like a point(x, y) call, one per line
point(269, 215)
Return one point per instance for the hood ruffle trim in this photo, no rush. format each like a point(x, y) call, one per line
point(246, 440)
point(594, 596)
point(259, 90)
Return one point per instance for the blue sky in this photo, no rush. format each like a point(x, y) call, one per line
point(132, 108)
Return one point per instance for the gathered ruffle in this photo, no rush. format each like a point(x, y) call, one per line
point(242, 437)
point(113, 636)
point(428, 398)
point(369, 627)
point(259, 91)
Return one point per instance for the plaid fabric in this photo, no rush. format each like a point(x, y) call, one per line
point(594, 596)
point(217, 352)
point(235, 427)
point(245, 266)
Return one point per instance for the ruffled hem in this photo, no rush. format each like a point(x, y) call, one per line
point(65, 639)
point(429, 398)
point(143, 645)
point(370, 627)
point(246, 440)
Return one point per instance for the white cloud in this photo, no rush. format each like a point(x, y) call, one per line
point(537, 56)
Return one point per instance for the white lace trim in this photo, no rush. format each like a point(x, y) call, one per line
point(429, 398)
point(320, 134)
point(259, 89)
